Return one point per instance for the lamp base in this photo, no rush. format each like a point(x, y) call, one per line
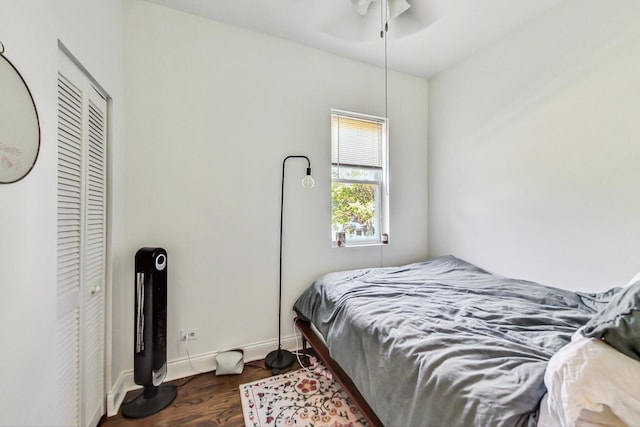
point(278, 360)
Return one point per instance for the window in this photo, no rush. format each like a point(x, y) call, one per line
point(359, 192)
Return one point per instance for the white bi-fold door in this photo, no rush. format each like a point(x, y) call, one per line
point(82, 169)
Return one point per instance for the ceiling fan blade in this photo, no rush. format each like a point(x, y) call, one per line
point(344, 23)
point(347, 22)
point(418, 17)
point(396, 8)
point(361, 6)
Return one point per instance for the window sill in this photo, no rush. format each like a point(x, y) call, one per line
point(357, 245)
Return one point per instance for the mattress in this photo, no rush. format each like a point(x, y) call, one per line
point(443, 342)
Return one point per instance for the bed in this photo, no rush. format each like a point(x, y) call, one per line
point(446, 343)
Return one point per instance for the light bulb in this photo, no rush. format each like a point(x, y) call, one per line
point(307, 181)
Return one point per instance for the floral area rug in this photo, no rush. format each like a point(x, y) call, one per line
point(299, 398)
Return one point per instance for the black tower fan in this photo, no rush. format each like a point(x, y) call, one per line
point(150, 335)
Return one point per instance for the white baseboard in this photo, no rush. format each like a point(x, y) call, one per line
point(182, 367)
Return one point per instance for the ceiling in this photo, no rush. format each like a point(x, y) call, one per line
point(424, 40)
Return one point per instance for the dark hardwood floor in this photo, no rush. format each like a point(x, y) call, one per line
point(203, 400)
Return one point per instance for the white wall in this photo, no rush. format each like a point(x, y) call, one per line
point(534, 150)
point(30, 30)
point(212, 110)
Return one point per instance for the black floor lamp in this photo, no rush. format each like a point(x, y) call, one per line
point(280, 359)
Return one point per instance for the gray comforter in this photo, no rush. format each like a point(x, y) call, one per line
point(443, 342)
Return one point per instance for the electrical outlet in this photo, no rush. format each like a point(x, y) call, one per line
point(192, 334)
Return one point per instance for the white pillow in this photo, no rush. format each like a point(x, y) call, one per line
point(590, 383)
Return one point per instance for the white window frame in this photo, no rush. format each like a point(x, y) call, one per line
point(382, 183)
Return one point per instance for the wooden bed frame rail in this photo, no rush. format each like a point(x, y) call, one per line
point(322, 352)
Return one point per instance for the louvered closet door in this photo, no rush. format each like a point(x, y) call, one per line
point(94, 253)
point(69, 247)
point(81, 248)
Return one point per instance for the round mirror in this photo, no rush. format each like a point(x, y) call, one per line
point(19, 127)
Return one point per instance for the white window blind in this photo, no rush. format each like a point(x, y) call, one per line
point(356, 142)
